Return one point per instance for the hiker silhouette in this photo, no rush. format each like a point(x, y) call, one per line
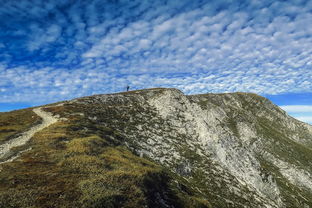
point(128, 87)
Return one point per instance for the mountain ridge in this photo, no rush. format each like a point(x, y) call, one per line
point(230, 149)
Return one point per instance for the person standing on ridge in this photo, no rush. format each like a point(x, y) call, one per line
point(128, 87)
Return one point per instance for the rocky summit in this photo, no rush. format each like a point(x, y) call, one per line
point(156, 148)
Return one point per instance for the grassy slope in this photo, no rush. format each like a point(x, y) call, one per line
point(127, 113)
point(82, 163)
point(75, 163)
point(15, 122)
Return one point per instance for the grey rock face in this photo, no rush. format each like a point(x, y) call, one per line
point(238, 149)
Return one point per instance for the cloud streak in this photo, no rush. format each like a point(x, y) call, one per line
point(297, 108)
point(306, 119)
point(300, 112)
point(62, 49)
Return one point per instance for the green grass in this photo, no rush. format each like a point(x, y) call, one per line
point(292, 196)
point(287, 149)
point(84, 162)
point(77, 163)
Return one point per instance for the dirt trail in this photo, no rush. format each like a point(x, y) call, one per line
point(47, 120)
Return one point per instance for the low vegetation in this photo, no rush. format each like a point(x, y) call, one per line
point(109, 150)
point(15, 122)
point(77, 164)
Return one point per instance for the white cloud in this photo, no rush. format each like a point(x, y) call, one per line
point(297, 108)
point(259, 47)
point(42, 36)
point(300, 112)
point(144, 44)
point(306, 119)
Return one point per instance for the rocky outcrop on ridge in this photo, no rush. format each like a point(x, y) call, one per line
point(239, 149)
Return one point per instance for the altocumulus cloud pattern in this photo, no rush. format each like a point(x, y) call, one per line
point(58, 49)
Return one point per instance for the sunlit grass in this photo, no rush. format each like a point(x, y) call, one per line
point(75, 163)
point(14, 122)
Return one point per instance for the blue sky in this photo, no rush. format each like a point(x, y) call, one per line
point(57, 50)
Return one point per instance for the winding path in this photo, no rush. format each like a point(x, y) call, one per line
point(47, 120)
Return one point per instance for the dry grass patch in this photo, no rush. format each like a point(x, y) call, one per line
point(15, 122)
point(76, 163)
